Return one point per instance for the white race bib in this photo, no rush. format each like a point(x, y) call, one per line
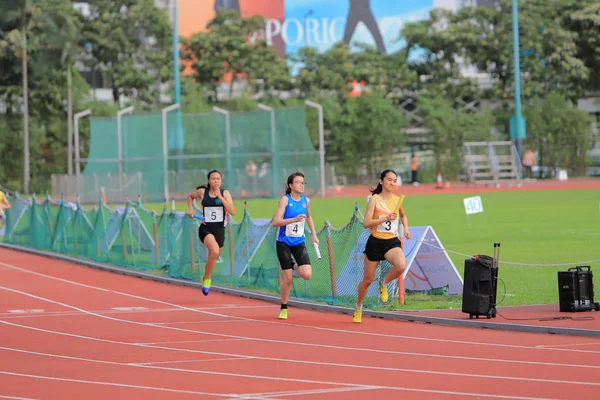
point(388, 227)
point(213, 214)
point(295, 229)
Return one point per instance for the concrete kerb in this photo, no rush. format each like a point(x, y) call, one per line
point(309, 305)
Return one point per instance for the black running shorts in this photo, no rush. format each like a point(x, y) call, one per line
point(376, 248)
point(285, 253)
point(217, 231)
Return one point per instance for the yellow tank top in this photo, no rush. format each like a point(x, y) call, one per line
point(387, 229)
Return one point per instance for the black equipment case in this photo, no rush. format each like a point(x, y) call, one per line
point(576, 290)
point(480, 285)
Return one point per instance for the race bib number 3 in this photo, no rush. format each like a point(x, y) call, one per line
point(295, 229)
point(213, 214)
point(388, 227)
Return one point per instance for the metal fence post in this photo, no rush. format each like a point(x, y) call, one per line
point(321, 142)
point(165, 148)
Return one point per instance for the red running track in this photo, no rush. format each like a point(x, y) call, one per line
point(71, 332)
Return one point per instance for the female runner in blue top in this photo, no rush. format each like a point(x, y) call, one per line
point(216, 203)
point(291, 214)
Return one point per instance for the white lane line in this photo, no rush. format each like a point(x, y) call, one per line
point(15, 398)
point(11, 315)
point(195, 361)
point(102, 383)
point(193, 341)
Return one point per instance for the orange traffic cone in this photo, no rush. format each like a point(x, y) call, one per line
point(439, 184)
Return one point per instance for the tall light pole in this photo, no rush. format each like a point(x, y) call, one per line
point(176, 54)
point(25, 114)
point(517, 122)
point(176, 74)
point(165, 148)
point(69, 120)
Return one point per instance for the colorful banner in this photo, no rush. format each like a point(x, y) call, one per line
point(292, 24)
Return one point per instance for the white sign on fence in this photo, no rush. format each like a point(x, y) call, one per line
point(473, 205)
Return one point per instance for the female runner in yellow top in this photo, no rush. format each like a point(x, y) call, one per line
point(4, 204)
point(381, 215)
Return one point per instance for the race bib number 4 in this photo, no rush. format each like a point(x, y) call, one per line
point(388, 227)
point(213, 214)
point(295, 229)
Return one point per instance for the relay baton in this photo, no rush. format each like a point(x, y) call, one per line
point(317, 250)
point(200, 217)
point(399, 204)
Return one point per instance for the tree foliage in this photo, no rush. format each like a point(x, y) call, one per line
point(366, 128)
point(450, 127)
point(38, 27)
point(129, 43)
point(233, 48)
point(559, 132)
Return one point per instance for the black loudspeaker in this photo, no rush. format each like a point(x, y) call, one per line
point(480, 285)
point(576, 290)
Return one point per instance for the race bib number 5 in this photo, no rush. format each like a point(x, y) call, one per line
point(295, 229)
point(388, 227)
point(213, 214)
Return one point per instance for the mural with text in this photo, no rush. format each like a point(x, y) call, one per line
point(292, 24)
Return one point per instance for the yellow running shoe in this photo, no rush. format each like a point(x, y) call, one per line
point(205, 286)
point(283, 313)
point(357, 317)
point(383, 292)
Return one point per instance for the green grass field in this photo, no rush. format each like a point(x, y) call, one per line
point(536, 229)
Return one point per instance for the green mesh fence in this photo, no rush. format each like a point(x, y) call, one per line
point(277, 151)
point(168, 244)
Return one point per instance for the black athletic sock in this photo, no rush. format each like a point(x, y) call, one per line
point(283, 306)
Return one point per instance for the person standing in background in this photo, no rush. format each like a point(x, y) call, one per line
point(528, 163)
point(414, 167)
point(251, 174)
